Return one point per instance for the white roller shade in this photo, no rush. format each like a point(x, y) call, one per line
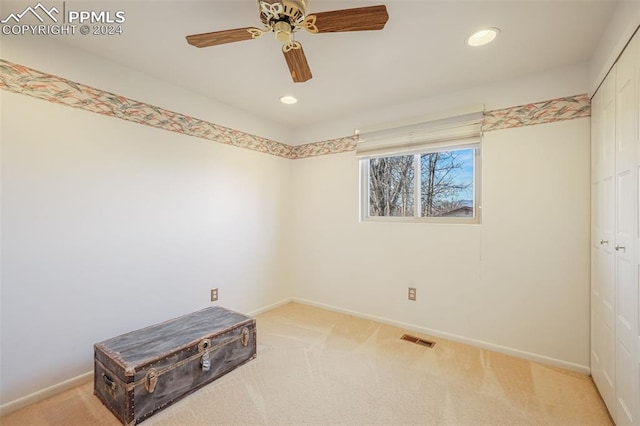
point(460, 131)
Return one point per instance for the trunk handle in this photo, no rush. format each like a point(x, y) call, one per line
point(109, 381)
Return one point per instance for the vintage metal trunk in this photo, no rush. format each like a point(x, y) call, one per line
point(139, 373)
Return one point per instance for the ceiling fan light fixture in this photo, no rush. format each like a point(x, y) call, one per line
point(482, 37)
point(288, 100)
point(282, 30)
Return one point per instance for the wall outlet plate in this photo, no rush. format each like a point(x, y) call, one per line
point(412, 293)
point(214, 294)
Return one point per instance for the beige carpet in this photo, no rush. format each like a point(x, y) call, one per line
point(319, 367)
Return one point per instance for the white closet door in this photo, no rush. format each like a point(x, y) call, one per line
point(602, 253)
point(626, 231)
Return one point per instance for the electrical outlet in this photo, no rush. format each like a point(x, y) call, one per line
point(412, 293)
point(214, 294)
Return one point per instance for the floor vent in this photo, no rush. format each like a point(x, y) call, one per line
point(418, 341)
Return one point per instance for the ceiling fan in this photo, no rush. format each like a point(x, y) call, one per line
point(285, 17)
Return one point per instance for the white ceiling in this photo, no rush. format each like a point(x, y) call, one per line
point(420, 53)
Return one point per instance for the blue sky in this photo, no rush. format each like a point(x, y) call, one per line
point(465, 175)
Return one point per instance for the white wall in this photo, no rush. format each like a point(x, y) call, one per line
point(55, 57)
point(554, 83)
point(108, 226)
point(566, 81)
point(519, 280)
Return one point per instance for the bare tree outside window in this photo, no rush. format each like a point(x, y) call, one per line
point(391, 186)
point(446, 184)
point(445, 188)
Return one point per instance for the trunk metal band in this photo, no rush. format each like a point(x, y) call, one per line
point(159, 372)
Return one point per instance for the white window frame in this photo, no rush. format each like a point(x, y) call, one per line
point(417, 218)
point(455, 130)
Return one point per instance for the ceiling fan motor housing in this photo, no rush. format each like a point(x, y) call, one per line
point(290, 11)
point(298, 5)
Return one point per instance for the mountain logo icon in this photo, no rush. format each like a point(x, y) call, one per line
point(38, 11)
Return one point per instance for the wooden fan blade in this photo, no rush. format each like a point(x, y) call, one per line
point(222, 37)
point(358, 19)
point(298, 65)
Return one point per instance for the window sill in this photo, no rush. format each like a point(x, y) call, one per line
point(440, 221)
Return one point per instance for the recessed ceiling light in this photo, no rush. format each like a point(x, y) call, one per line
point(289, 100)
point(483, 37)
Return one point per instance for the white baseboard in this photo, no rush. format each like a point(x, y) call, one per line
point(269, 307)
point(19, 403)
point(542, 359)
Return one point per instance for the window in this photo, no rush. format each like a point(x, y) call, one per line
point(446, 187)
point(391, 186)
point(429, 171)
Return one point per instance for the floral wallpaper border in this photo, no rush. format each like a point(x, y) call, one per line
point(559, 109)
point(20, 79)
point(333, 146)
